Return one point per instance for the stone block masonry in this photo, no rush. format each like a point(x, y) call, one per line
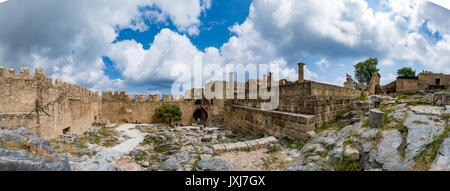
point(121, 108)
point(244, 146)
point(44, 107)
point(48, 108)
point(303, 106)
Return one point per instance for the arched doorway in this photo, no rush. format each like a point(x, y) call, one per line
point(200, 116)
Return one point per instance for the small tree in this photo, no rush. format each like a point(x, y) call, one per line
point(169, 112)
point(406, 73)
point(364, 70)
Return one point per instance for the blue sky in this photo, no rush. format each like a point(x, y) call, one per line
point(214, 32)
point(135, 45)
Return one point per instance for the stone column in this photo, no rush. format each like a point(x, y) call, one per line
point(301, 75)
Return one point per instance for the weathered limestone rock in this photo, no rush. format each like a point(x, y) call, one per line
point(399, 114)
point(170, 164)
point(328, 140)
point(387, 153)
point(103, 161)
point(428, 110)
point(351, 153)
point(315, 149)
point(20, 160)
point(22, 151)
point(337, 153)
point(421, 132)
point(128, 164)
point(376, 118)
point(442, 161)
point(215, 164)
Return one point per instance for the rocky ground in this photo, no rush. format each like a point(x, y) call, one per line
point(20, 150)
point(382, 133)
point(409, 135)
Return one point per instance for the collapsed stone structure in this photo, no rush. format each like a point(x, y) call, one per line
point(425, 81)
point(303, 106)
point(372, 88)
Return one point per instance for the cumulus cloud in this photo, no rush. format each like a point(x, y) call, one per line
point(283, 31)
point(155, 64)
point(275, 31)
point(183, 13)
point(345, 29)
point(69, 38)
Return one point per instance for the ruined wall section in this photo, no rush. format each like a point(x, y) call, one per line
point(302, 107)
point(45, 108)
point(120, 107)
point(406, 85)
point(427, 79)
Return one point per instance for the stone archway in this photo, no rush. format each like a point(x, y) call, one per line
point(200, 116)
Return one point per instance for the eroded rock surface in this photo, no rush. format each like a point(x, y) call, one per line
point(20, 150)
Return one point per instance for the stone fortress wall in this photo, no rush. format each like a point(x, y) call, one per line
point(47, 108)
point(118, 107)
point(52, 108)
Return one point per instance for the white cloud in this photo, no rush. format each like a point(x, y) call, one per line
point(281, 31)
point(292, 29)
point(69, 38)
point(184, 13)
point(155, 64)
point(323, 64)
point(387, 79)
point(285, 30)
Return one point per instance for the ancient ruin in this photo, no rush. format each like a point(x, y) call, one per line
point(425, 81)
point(315, 126)
point(50, 108)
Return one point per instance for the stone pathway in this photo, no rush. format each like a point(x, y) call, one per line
point(135, 135)
point(106, 160)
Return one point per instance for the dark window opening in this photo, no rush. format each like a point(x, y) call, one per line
point(198, 102)
point(438, 81)
point(66, 130)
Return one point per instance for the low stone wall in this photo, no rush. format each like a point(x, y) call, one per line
point(244, 146)
point(279, 124)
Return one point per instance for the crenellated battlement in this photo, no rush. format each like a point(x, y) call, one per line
point(45, 82)
point(139, 98)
